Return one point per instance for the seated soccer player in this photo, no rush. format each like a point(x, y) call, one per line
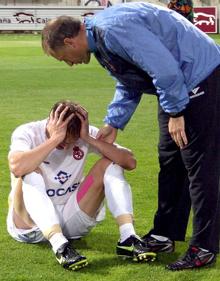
point(51, 200)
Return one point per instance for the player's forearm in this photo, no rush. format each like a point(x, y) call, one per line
point(24, 162)
point(118, 155)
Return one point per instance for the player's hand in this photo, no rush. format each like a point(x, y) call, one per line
point(107, 133)
point(82, 114)
point(56, 125)
point(176, 127)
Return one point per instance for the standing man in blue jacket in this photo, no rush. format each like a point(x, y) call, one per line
point(154, 50)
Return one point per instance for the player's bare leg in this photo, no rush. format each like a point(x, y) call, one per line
point(118, 195)
point(32, 191)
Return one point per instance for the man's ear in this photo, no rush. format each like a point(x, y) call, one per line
point(69, 41)
point(82, 27)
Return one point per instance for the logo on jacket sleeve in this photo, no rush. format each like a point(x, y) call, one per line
point(62, 177)
point(77, 153)
point(196, 92)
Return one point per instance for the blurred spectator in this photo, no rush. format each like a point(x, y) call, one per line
point(183, 7)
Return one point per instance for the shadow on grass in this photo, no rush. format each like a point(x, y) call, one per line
point(105, 265)
point(97, 241)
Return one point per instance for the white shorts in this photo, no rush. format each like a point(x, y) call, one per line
point(33, 235)
point(73, 221)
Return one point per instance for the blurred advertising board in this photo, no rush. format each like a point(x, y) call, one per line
point(205, 18)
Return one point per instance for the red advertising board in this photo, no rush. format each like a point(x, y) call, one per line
point(205, 18)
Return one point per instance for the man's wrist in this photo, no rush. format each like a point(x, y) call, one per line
point(176, 114)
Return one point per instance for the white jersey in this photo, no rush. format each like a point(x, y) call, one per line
point(62, 170)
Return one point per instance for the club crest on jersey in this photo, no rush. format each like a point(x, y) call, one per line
point(77, 153)
point(62, 177)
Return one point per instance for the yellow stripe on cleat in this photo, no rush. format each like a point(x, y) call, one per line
point(78, 265)
point(147, 257)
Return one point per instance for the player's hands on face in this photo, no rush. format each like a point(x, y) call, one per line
point(82, 114)
point(107, 134)
point(56, 125)
point(176, 127)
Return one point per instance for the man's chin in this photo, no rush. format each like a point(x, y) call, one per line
point(87, 59)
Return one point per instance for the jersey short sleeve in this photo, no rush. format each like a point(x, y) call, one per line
point(20, 140)
point(28, 136)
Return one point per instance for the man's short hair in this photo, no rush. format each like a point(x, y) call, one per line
point(74, 125)
point(56, 30)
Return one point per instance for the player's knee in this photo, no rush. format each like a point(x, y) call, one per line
point(105, 168)
point(114, 171)
point(100, 167)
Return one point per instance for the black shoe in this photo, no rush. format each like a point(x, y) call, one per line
point(69, 258)
point(156, 246)
point(195, 257)
point(133, 247)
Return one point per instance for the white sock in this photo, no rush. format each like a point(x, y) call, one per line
point(57, 240)
point(159, 238)
point(126, 230)
point(38, 204)
point(117, 191)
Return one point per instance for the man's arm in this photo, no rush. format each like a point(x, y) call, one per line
point(117, 154)
point(123, 106)
point(120, 111)
point(24, 162)
point(168, 78)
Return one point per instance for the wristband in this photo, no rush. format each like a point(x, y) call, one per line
point(176, 114)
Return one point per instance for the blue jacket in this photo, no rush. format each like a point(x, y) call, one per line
point(175, 56)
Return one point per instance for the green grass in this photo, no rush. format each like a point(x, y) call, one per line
point(30, 83)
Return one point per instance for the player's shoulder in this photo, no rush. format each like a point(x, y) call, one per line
point(30, 127)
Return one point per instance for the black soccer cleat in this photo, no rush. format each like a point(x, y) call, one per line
point(157, 246)
point(195, 257)
point(133, 247)
point(69, 258)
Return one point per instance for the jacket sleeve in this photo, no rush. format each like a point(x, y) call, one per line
point(122, 106)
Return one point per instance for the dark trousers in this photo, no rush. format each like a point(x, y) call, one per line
point(199, 164)
point(174, 202)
